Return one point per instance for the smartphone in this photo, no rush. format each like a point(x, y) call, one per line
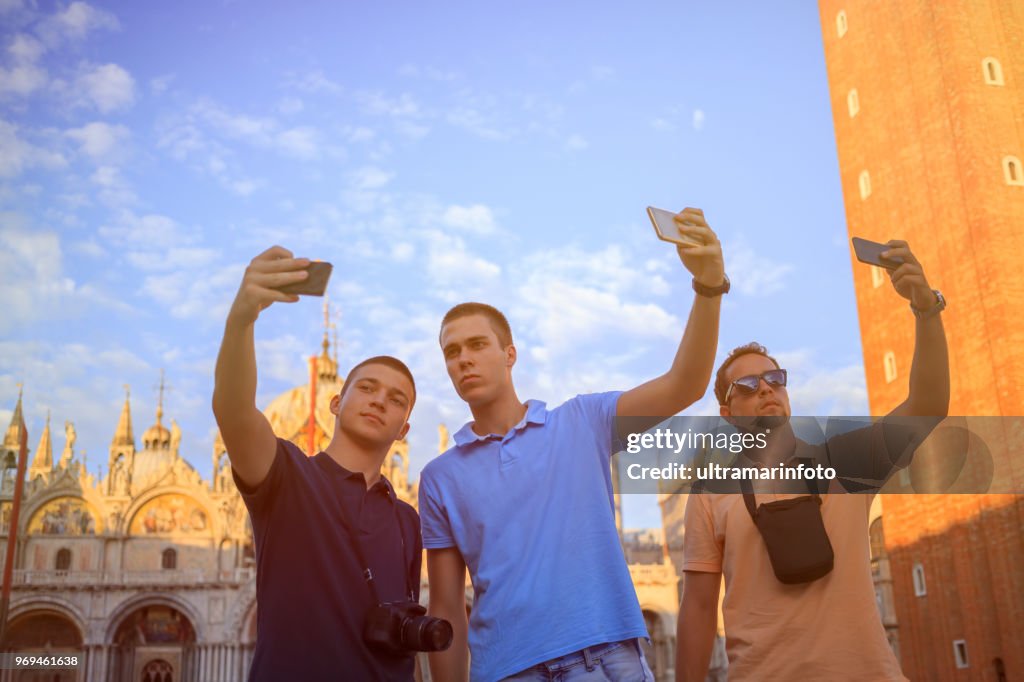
point(871, 253)
point(315, 284)
point(667, 228)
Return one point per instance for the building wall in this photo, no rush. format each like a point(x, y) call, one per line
point(932, 135)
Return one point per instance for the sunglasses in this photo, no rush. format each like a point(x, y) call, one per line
point(749, 384)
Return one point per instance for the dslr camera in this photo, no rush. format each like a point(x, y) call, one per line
point(403, 628)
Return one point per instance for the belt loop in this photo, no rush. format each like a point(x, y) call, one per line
point(588, 659)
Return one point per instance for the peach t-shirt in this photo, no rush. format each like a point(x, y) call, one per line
point(826, 629)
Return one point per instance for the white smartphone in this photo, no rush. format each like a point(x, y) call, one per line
point(667, 228)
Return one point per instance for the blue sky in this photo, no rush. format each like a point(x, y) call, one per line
point(434, 153)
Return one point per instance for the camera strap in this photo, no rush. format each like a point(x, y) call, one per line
point(358, 547)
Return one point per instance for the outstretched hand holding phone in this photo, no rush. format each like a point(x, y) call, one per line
point(267, 273)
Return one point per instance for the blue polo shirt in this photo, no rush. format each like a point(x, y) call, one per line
point(532, 513)
point(310, 593)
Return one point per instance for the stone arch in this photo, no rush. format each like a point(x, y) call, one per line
point(212, 530)
point(41, 625)
point(660, 653)
point(95, 507)
point(49, 603)
point(127, 607)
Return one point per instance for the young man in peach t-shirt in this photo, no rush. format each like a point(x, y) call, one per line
point(828, 628)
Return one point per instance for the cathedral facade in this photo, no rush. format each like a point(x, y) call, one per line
point(148, 574)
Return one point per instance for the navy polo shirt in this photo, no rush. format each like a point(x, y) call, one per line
point(311, 596)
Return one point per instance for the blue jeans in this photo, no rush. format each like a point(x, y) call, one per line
point(611, 662)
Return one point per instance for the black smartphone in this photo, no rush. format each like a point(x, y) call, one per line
point(315, 284)
point(871, 253)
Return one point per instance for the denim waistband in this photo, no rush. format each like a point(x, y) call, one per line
point(587, 655)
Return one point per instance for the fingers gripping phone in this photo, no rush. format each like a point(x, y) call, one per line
point(667, 228)
point(871, 253)
point(315, 284)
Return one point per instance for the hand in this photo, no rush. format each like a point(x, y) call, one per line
point(275, 267)
point(705, 261)
point(908, 279)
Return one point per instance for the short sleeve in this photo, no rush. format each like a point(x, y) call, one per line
point(258, 499)
point(701, 551)
point(436, 527)
point(598, 412)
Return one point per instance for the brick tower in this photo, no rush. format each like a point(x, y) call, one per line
point(928, 105)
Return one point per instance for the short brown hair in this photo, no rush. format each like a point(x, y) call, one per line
point(494, 316)
point(387, 361)
point(721, 385)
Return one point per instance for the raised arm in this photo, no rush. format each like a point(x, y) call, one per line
point(928, 395)
point(687, 379)
point(697, 625)
point(446, 574)
point(249, 440)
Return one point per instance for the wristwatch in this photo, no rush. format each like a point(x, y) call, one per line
point(711, 292)
point(940, 305)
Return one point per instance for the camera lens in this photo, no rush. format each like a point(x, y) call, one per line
point(425, 633)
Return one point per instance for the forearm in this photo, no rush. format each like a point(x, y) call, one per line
point(234, 388)
point(453, 663)
point(929, 373)
point(695, 641)
point(690, 374)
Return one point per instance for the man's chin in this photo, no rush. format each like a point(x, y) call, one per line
point(771, 421)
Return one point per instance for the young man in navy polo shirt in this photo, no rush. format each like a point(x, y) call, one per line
point(312, 598)
point(524, 500)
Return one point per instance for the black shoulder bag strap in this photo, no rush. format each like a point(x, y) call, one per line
point(358, 547)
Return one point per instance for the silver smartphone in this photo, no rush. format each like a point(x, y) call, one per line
point(667, 228)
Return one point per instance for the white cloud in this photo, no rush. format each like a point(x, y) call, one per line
point(698, 119)
point(300, 143)
point(576, 143)
point(22, 79)
point(199, 293)
point(478, 123)
point(663, 125)
point(405, 105)
point(761, 276)
point(150, 231)
point(99, 140)
point(281, 359)
point(290, 105)
point(477, 219)
point(314, 82)
point(74, 22)
point(174, 258)
point(160, 84)
point(369, 177)
point(114, 190)
point(33, 285)
point(831, 391)
point(17, 154)
point(107, 88)
point(25, 48)
point(449, 261)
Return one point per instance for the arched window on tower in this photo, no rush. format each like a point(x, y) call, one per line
point(853, 102)
point(889, 365)
point(63, 559)
point(920, 588)
point(992, 71)
point(1013, 171)
point(877, 276)
point(865, 184)
point(841, 23)
point(169, 560)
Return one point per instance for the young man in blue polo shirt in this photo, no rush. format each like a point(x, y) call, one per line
point(524, 500)
point(307, 512)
